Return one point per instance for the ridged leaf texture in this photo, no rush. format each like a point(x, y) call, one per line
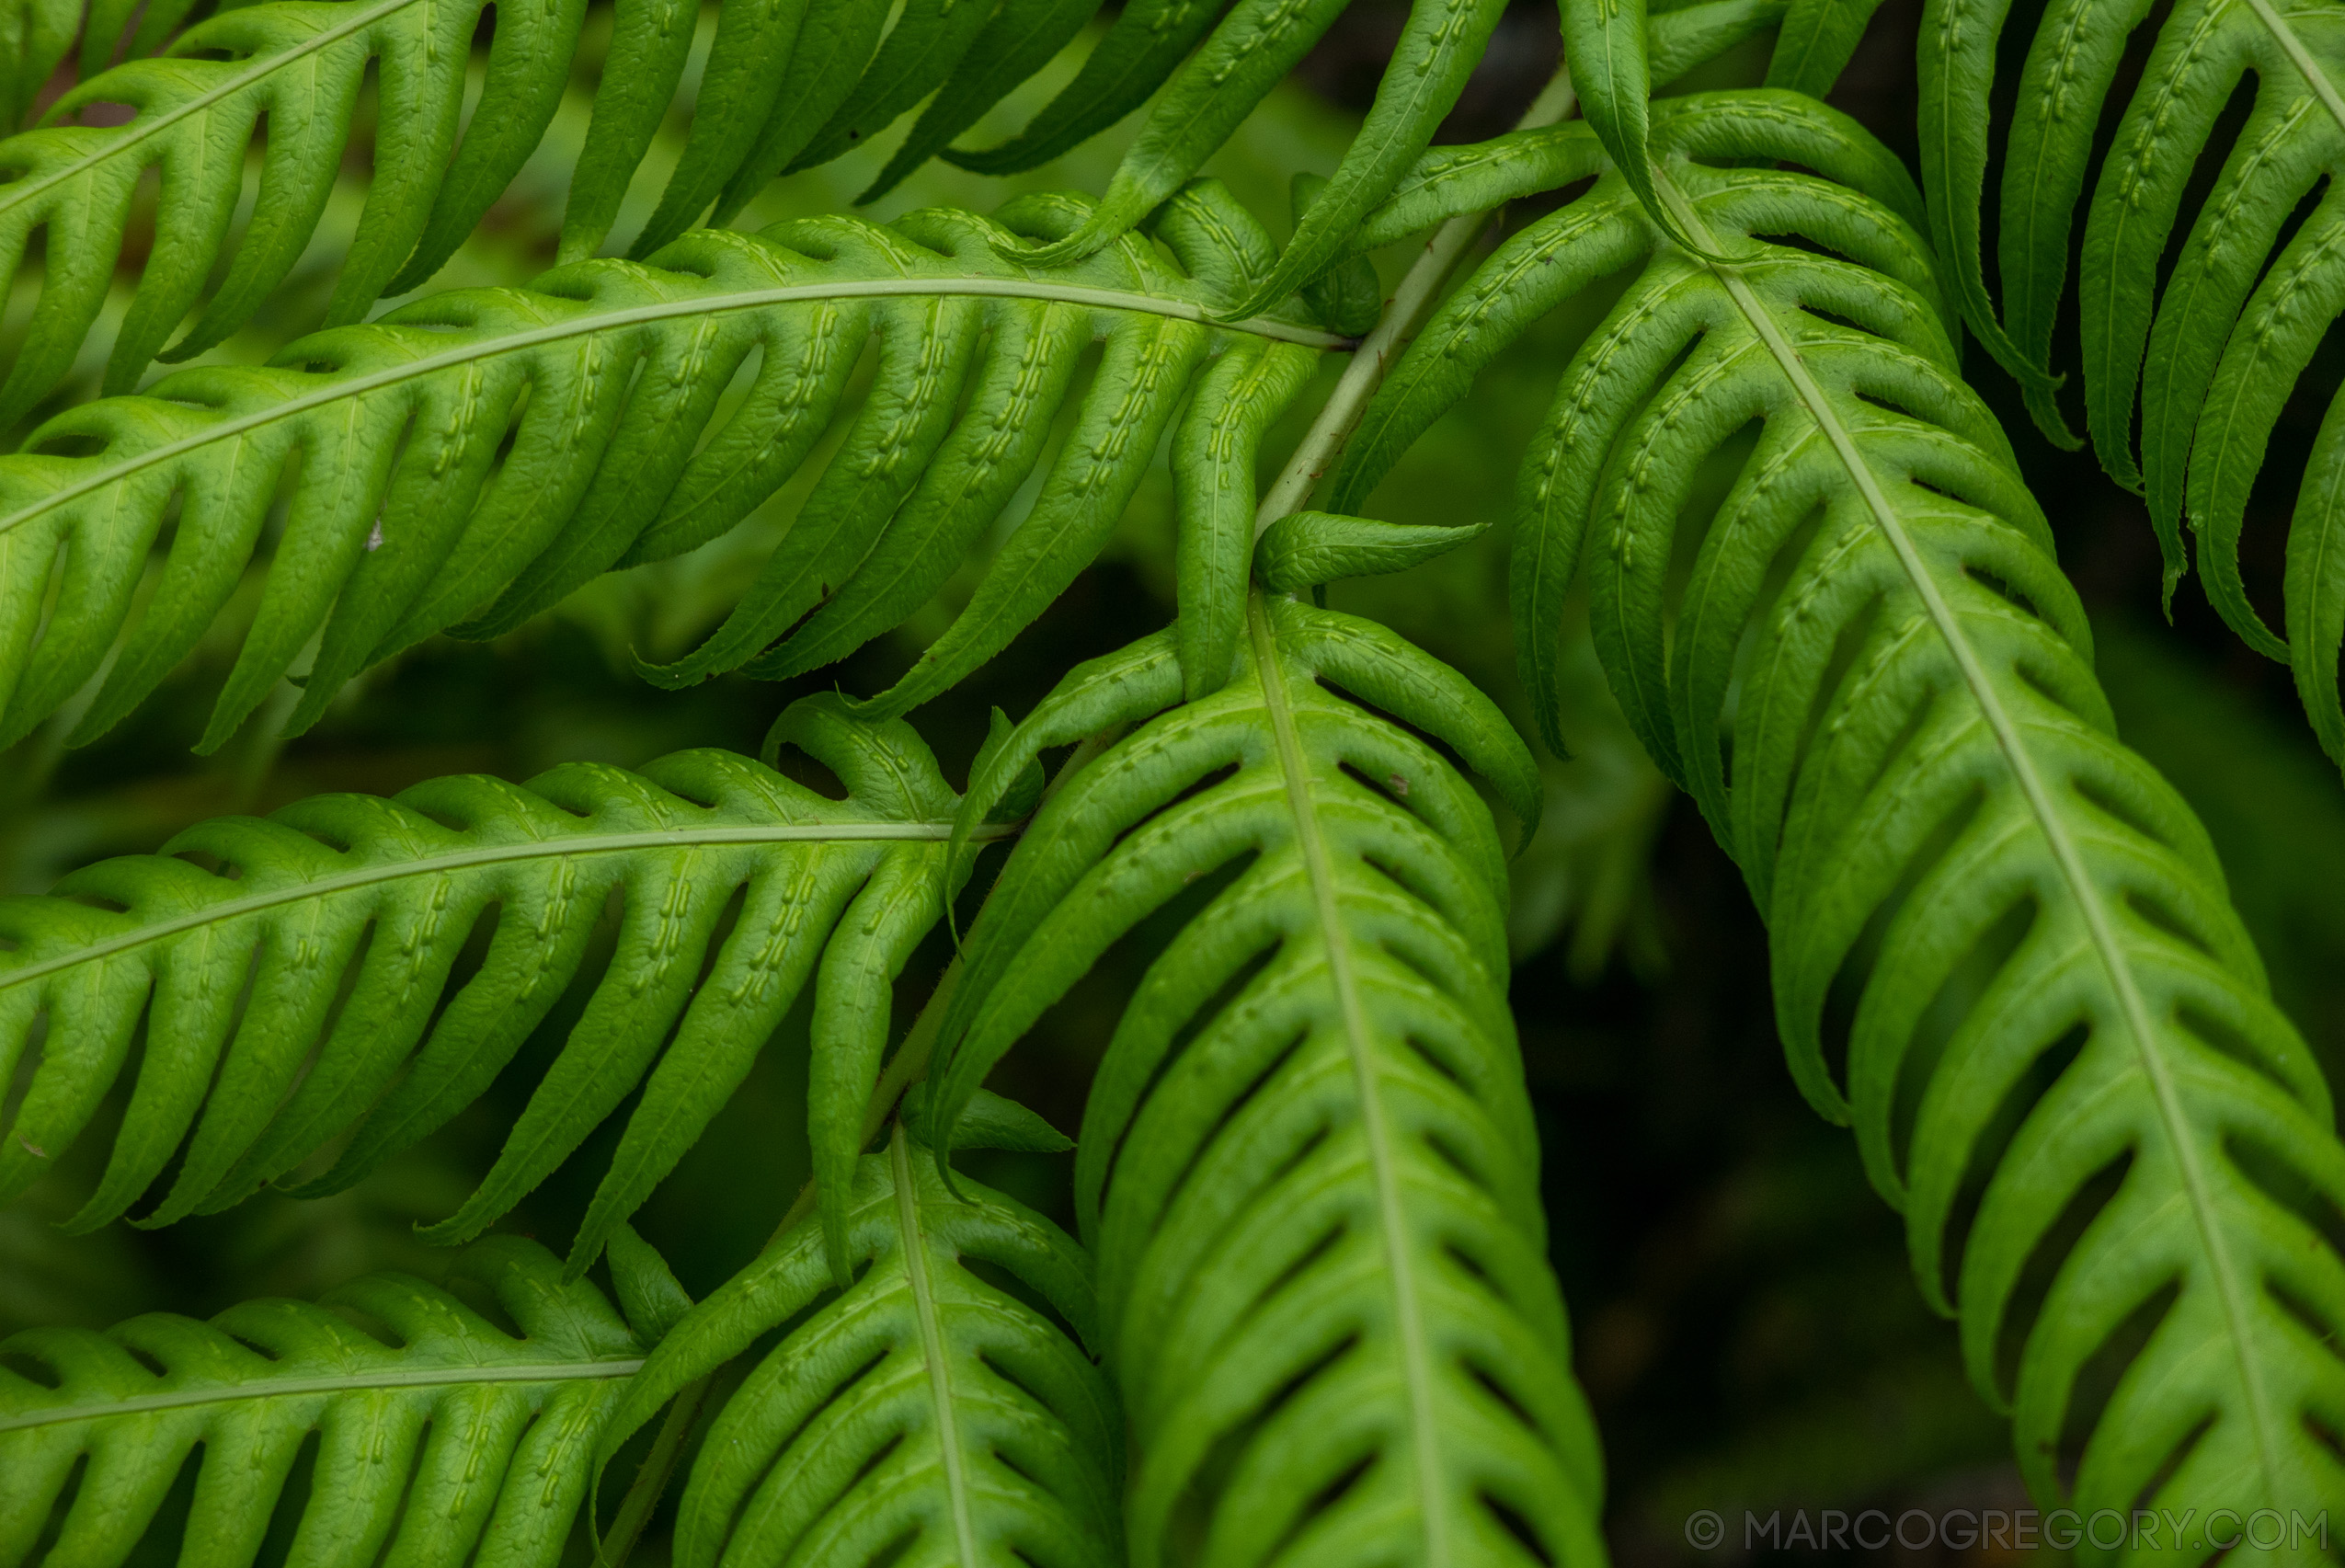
point(439, 1437)
point(1307, 1164)
point(787, 85)
point(923, 1416)
point(393, 955)
point(472, 458)
point(2002, 946)
point(2207, 359)
point(299, 66)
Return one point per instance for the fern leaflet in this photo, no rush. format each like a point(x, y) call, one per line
point(300, 67)
point(1308, 1161)
point(607, 379)
point(384, 895)
point(1878, 685)
point(2210, 358)
point(458, 1440)
point(921, 1416)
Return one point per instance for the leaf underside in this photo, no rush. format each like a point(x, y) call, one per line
point(1878, 686)
point(396, 953)
point(2207, 360)
point(462, 1439)
point(486, 512)
point(1307, 1164)
point(923, 1415)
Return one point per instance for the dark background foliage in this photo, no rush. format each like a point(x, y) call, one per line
point(1746, 1327)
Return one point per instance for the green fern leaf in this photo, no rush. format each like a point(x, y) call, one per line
point(922, 1416)
point(1308, 1161)
point(2210, 358)
point(300, 65)
point(1249, 52)
point(458, 1440)
point(1879, 687)
point(383, 896)
point(387, 543)
point(787, 83)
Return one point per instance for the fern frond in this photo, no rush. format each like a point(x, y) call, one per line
point(1250, 50)
point(1308, 1160)
point(350, 913)
point(2210, 358)
point(453, 1438)
point(923, 1415)
point(299, 67)
point(1878, 685)
point(608, 382)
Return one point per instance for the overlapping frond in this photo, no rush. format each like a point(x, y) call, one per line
point(480, 455)
point(2208, 360)
point(392, 956)
point(67, 190)
point(2002, 945)
point(1251, 49)
point(785, 85)
point(1308, 1162)
point(924, 1416)
point(439, 1437)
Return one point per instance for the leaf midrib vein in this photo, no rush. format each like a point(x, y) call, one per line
point(496, 855)
point(933, 1349)
point(286, 1388)
point(1400, 1267)
point(608, 321)
point(2156, 1072)
point(263, 66)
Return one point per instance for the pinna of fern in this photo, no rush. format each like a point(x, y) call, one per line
point(1307, 1166)
point(460, 1442)
point(1878, 686)
point(607, 379)
point(301, 67)
point(785, 87)
point(382, 897)
point(2208, 359)
point(914, 1412)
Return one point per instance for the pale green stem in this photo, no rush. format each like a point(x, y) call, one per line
point(1412, 301)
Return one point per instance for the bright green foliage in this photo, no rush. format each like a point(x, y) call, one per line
point(605, 380)
point(1254, 47)
point(461, 1443)
point(413, 944)
point(1554, 259)
point(922, 1416)
point(1307, 549)
point(1310, 1175)
point(1879, 687)
point(788, 83)
point(36, 36)
point(301, 66)
point(1606, 43)
point(1307, 1163)
point(2208, 360)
